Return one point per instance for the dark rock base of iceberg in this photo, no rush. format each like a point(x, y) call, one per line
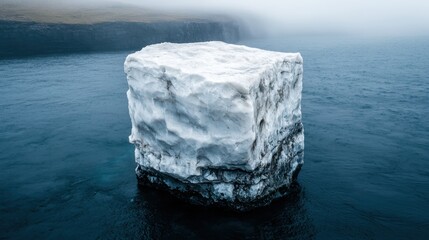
point(282, 176)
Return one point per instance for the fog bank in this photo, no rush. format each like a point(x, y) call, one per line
point(359, 17)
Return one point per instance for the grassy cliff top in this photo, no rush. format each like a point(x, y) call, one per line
point(91, 13)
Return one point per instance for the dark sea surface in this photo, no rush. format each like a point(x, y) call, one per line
point(67, 169)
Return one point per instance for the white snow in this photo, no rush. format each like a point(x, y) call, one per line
point(201, 106)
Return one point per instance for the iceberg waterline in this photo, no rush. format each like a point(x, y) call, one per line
point(217, 123)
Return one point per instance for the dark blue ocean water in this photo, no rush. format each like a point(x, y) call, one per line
point(67, 169)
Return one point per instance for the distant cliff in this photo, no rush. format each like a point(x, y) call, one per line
point(19, 38)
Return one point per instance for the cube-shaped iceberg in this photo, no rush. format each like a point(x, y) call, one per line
point(216, 123)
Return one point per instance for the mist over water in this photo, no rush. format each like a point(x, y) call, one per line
point(356, 17)
point(291, 17)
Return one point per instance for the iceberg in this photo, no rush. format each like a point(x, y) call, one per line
point(216, 123)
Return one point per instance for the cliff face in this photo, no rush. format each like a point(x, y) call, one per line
point(28, 38)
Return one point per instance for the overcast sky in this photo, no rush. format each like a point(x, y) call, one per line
point(398, 17)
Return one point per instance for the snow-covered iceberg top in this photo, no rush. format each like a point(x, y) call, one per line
point(215, 122)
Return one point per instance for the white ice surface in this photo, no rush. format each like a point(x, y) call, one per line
point(212, 105)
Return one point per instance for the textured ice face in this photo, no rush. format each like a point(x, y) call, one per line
point(221, 119)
